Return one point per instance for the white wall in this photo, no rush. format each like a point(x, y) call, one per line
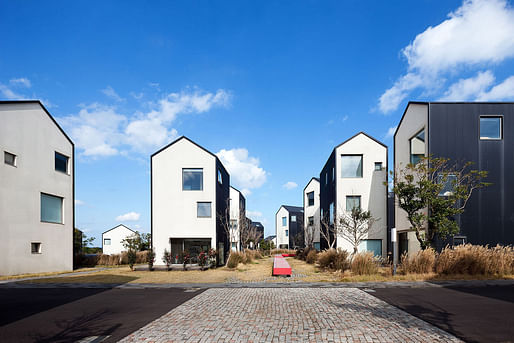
point(281, 230)
point(174, 212)
point(116, 235)
point(370, 187)
point(312, 211)
point(28, 132)
point(235, 214)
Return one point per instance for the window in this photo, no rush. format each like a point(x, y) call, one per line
point(203, 209)
point(326, 178)
point(9, 159)
point(417, 147)
point(61, 163)
point(449, 183)
point(351, 165)
point(333, 174)
point(192, 179)
point(310, 199)
point(353, 201)
point(51, 208)
point(287, 233)
point(284, 221)
point(35, 248)
point(378, 166)
point(490, 127)
point(311, 221)
point(459, 240)
point(220, 177)
point(107, 241)
point(293, 219)
point(331, 213)
point(373, 245)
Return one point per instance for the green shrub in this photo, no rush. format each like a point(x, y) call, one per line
point(422, 262)
point(364, 263)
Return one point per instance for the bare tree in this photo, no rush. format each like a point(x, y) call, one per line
point(329, 232)
point(226, 224)
point(298, 238)
point(354, 226)
point(249, 233)
point(309, 236)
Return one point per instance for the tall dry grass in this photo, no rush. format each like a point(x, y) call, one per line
point(333, 259)
point(245, 257)
point(364, 263)
point(108, 260)
point(422, 262)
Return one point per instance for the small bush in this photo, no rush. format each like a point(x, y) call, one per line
point(234, 259)
point(150, 259)
point(312, 256)
point(364, 263)
point(476, 260)
point(422, 262)
point(333, 259)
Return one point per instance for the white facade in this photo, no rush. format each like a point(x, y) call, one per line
point(36, 197)
point(311, 210)
point(282, 231)
point(185, 219)
point(112, 239)
point(237, 213)
point(288, 221)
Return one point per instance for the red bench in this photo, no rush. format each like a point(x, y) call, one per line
point(280, 266)
point(288, 255)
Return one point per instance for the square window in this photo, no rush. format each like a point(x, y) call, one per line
point(203, 209)
point(287, 233)
point(220, 177)
point(293, 219)
point(490, 127)
point(378, 166)
point(353, 201)
point(310, 199)
point(192, 179)
point(51, 208)
point(311, 221)
point(9, 159)
point(284, 221)
point(107, 241)
point(61, 162)
point(35, 248)
point(351, 165)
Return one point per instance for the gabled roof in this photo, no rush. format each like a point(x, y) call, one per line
point(257, 224)
point(362, 133)
point(44, 109)
point(308, 183)
point(292, 208)
point(117, 227)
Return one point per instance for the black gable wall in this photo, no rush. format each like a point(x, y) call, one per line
point(222, 203)
point(327, 193)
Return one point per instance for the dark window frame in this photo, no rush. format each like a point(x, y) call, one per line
point(37, 251)
point(353, 196)
point(309, 199)
point(15, 158)
point(424, 142)
point(67, 158)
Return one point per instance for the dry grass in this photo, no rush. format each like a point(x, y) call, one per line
point(476, 260)
point(364, 263)
point(23, 276)
point(333, 259)
point(422, 262)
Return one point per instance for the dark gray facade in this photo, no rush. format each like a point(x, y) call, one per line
point(222, 203)
point(327, 194)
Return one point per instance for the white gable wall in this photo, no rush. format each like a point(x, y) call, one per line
point(116, 235)
point(281, 230)
point(312, 211)
point(235, 214)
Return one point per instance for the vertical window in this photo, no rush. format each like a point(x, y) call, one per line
point(192, 179)
point(287, 233)
point(61, 163)
point(220, 177)
point(490, 127)
point(284, 221)
point(311, 221)
point(333, 174)
point(35, 248)
point(449, 182)
point(107, 241)
point(326, 178)
point(310, 199)
point(378, 166)
point(353, 201)
point(351, 165)
point(9, 159)
point(293, 219)
point(331, 213)
point(203, 209)
point(417, 147)
point(51, 208)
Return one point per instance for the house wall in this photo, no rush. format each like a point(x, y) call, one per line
point(327, 193)
point(174, 211)
point(235, 214)
point(28, 132)
point(312, 211)
point(370, 187)
point(294, 229)
point(279, 229)
point(116, 235)
point(222, 206)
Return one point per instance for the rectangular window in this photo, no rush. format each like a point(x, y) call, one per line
point(449, 181)
point(284, 221)
point(331, 213)
point(373, 245)
point(490, 127)
point(51, 208)
point(107, 241)
point(459, 240)
point(417, 147)
point(220, 177)
point(353, 201)
point(378, 166)
point(351, 165)
point(203, 209)
point(9, 159)
point(35, 248)
point(61, 162)
point(293, 219)
point(310, 199)
point(311, 221)
point(192, 179)
point(287, 233)
point(326, 178)
point(333, 174)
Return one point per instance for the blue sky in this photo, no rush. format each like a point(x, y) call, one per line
point(270, 86)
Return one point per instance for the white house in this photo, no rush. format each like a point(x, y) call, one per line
point(311, 212)
point(189, 187)
point(36, 191)
point(112, 239)
point(354, 176)
point(237, 215)
point(288, 223)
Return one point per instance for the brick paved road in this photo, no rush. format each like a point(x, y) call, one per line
point(287, 315)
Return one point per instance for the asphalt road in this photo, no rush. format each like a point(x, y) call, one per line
point(474, 314)
point(73, 314)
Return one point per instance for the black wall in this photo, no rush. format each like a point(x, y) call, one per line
point(327, 192)
point(453, 132)
point(295, 228)
point(222, 203)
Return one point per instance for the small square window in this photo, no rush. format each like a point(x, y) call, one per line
point(204, 210)
point(107, 241)
point(293, 219)
point(490, 127)
point(287, 233)
point(311, 221)
point(284, 221)
point(378, 166)
point(353, 201)
point(61, 162)
point(35, 248)
point(9, 159)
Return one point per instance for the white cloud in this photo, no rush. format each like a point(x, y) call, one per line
point(465, 89)
point(253, 214)
point(131, 216)
point(21, 82)
point(9, 93)
point(245, 172)
point(345, 118)
point(390, 132)
point(502, 91)
point(111, 93)
point(290, 185)
point(79, 202)
point(478, 33)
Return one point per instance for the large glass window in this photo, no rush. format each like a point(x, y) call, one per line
point(417, 147)
point(203, 209)
point(351, 165)
point(490, 127)
point(284, 221)
point(51, 208)
point(353, 201)
point(9, 159)
point(61, 162)
point(192, 179)
point(310, 199)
